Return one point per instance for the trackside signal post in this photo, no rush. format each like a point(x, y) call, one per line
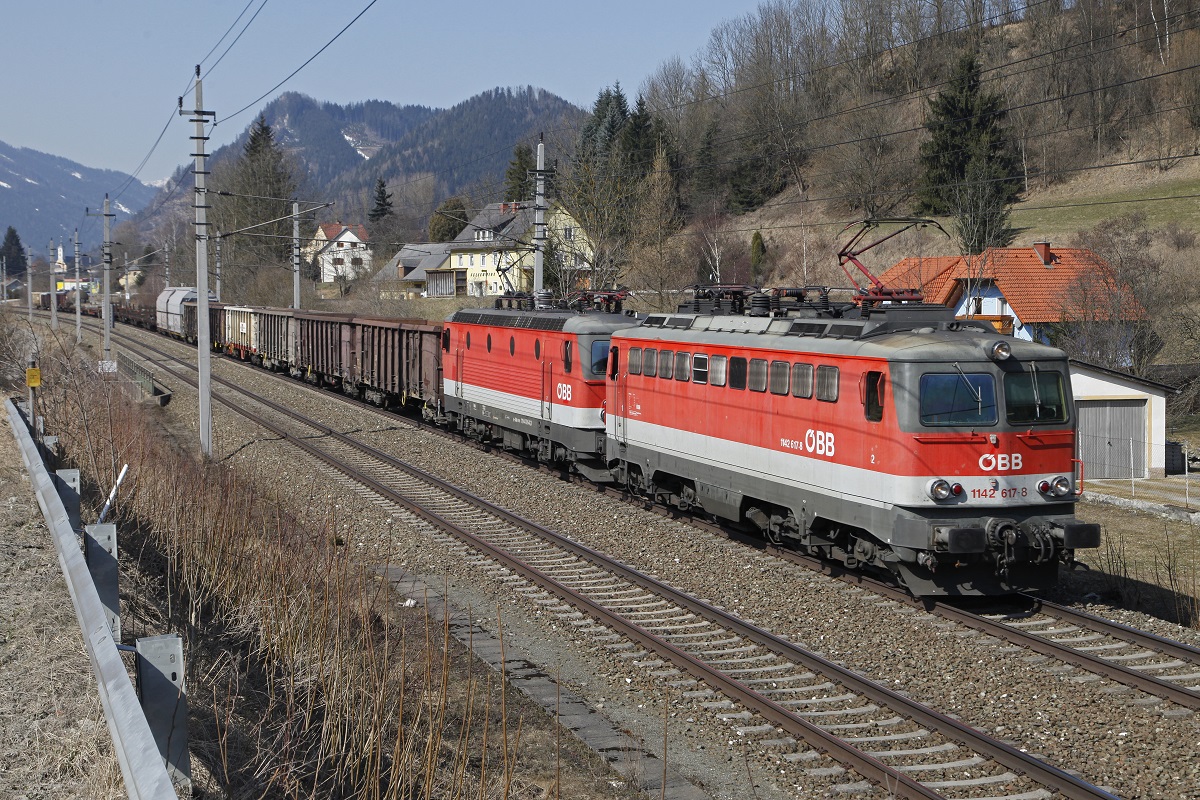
point(203, 335)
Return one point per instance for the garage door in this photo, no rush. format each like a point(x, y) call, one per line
point(1106, 429)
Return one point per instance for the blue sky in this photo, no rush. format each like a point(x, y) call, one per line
point(96, 81)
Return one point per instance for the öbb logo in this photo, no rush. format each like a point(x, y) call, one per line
point(1000, 462)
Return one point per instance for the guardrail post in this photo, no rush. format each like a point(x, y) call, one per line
point(164, 701)
point(100, 552)
point(66, 481)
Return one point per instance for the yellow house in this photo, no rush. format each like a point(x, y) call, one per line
point(495, 254)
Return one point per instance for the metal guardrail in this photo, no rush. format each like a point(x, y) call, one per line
point(141, 765)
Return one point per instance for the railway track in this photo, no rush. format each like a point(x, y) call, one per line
point(788, 699)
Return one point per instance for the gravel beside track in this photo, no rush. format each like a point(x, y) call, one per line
point(1135, 745)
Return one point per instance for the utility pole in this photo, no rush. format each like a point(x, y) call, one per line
point(4, 276)
point(29, 286)
point(203, 335)
point(78, 300)
point(296, 254)
point(167, 264)
point(53, 288)
point(218, 238)
point(107, 319)
point(539, 221)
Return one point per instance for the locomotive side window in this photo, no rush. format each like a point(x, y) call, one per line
point(827, 384)
point(512, 345)
point(650, 362)
point(666, 363)
point(489, 343)
point(758, 374)
point(802, 380)
point(716, 370)
point(699, 368)
point(468, 340)
point(873, 398)
point(1034, 397)
point(599, 362)
point(779, 377)
point(568, 358)
point(737, 373)
point(635, 361)
point(537, 348)
point(446, 339)
point(958, 398)
point(683, 366)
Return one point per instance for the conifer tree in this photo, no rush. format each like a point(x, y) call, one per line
point(448, 221)
point(13, 252)
point(518, 182)
point(969, 169)
point(383, 202)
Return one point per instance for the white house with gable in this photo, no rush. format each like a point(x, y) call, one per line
point(340, 251)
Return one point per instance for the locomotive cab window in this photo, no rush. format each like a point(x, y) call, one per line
point(737, 373)
point(650, 362)
point(614, 362)
point(666, 364)
point(827, 384)
point(568, 357)
point(635, 361)
point(599, 357)
point(683, 366)
point(699, 368)
point(446, 339)
point(958, 398)
point(873, 396)
point(1034, 397)
point(716, 370)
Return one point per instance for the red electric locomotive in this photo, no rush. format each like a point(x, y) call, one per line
point(533, 380)
point(895, 438)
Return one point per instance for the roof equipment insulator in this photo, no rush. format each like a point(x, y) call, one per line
point(760, 305)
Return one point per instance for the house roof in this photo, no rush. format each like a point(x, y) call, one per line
point(417, 258)
point(1116, 373)
point(332, 230)
point(1037, 291)
point(507, 221)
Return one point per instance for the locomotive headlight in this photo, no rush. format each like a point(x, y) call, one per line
point(940, 489)
point(1000, 351)
point(1059, 486)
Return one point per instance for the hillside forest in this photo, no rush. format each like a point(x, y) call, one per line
point(745, 161)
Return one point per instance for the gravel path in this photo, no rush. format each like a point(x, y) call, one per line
point(1136, 746)
point(53, 740)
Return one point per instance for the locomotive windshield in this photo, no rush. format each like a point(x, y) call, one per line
point(958, 398)
point(1034, 397)
point(599, 357)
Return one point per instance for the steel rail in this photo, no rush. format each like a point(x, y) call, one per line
point(1059, 780)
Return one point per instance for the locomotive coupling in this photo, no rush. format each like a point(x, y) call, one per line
point(959, 540)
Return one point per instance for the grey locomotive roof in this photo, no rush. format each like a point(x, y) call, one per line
point(918, 335)
point(551, 319)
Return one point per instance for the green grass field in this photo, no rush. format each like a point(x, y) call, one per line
point(1057, 215)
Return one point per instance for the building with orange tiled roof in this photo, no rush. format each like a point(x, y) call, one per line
point(340, 251)
point(1023, 291)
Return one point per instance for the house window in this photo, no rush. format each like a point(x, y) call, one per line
point(495, 259)
point(341, 244)
point(460, 259)
point(471, 260)
point(568, 233)
point(976, 305)
point(337, 262)
point(356, 262)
